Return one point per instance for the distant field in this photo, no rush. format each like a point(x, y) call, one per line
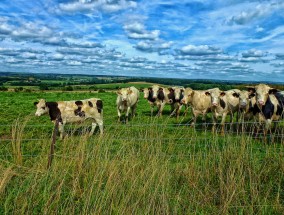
point(149, 166)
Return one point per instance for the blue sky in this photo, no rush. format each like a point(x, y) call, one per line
point(221, 39)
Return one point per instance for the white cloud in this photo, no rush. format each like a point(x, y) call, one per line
point(200, 50)
point(99, 5)
point(253, 53)
point(254, 13)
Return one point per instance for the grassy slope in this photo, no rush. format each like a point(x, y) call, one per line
point(160, 167)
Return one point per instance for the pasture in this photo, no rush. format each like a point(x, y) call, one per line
point(148, 166)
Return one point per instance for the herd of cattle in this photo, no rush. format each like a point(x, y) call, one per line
point(260, 103)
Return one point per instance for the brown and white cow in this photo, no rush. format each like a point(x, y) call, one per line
point(199, 102)
point(127, 98)
point(72, 111)
point(269, 104)
point(148, 94)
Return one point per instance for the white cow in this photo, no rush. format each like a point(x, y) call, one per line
point(127, 98)
point(199, 102)
point(72, 111)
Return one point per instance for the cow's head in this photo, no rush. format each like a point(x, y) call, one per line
point(187, 95)
point(156, 89)
point(178, 91)
point(123, 93)
point(41, 106)
point(261, 92)
point(215, 95)
point(244, 97)
point(146, 92)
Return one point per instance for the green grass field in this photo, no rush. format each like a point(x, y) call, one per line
point(149, 166)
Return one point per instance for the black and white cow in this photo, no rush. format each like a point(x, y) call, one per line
point(148, 94)
point(269, 104)
point(72, 111)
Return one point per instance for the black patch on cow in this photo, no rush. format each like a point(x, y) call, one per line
point(268, 109)
point(280, 106)
point(150, 96)
point(99, 104)
point(161, 95)
point(79, 112)
point(79, 103)
point(180, 97)
point(171, 96)
point(279, 110)
point(222, 103)
point(255, 109)
point(54, 111)
point(90, 104)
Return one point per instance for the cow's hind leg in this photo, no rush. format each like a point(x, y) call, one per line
point(94, 125)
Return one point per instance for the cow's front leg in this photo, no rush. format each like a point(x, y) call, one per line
point(127, 114)
point(223, 123)
point(152, 109)
point(94, 125)
point(133, 110)
point(61, 130)
point(101, 126)
point(215, 118)
point(118, 114)
point(161, 109)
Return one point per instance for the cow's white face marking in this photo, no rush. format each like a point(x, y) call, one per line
point(178, 91)
point(41, 108)
point(155, 90)
point(146, 93)
point(262, 93)
point(123, 93)
point(244, 98)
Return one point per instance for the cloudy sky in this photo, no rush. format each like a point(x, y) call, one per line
point(220, 39)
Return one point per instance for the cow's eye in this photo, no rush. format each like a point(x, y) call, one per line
point(43, 108)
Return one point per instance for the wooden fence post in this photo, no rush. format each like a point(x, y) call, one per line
point(51, 154)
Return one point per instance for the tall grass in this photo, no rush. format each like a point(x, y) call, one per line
point(155, 169)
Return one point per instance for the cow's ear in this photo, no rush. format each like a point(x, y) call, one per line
point(170, 89)
point(207, 93)
point(272, 91)
point(118, 92)
point(251, 89)
point(129, 91)
point(236, 95)
point(222, 93)
point(251, 95)
point(141, 90)
point(182, 90)
point(160, 89)
point(35, 103)
point(150, 88)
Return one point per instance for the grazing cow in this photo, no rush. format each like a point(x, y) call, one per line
point(127, 98)
point(72, 111)
point(163, 96)
point(269, 104)
point(148, 94)
point(199, 102)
